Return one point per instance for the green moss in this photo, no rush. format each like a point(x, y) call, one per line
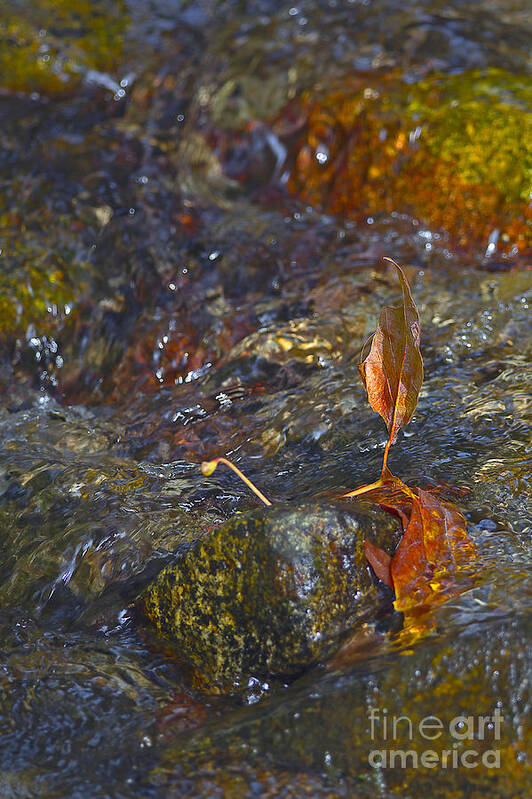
point(481, 124)
point(36, 287)
point(46, 45)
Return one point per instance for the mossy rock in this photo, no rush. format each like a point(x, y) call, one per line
point(454, 151)
point(268, 592)
point(46, 45)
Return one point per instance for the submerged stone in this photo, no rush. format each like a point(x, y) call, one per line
point(268, 592)
point(454, 151)
point(367, 728)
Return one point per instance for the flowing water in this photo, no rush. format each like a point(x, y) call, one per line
point(179, 280)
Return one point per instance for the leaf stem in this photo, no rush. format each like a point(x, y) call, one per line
point(363, 489)
point(384, 470)
point(208, 467)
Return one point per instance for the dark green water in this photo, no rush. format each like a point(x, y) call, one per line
point(167, 296)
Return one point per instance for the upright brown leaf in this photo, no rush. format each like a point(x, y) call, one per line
point(393, 369)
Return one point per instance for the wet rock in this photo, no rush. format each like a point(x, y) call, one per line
point(451, 150)
point(326, 726)
point(267, 592)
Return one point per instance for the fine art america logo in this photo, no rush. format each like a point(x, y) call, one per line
point(462, 742)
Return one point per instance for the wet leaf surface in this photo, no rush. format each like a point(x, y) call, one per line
point(379, 560)
point(433, 551)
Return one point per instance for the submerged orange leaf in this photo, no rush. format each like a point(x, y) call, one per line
point(431, 562)
point(379, 560)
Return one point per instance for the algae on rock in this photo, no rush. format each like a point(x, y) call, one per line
point(453, 150)
point(268, 592)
